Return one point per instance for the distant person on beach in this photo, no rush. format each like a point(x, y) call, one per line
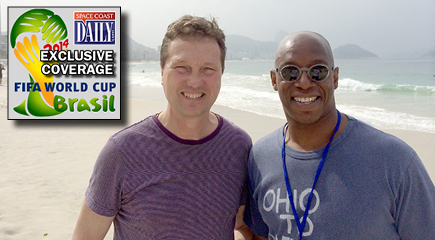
point(2, 67)
point(181, 173)
point(325, 174)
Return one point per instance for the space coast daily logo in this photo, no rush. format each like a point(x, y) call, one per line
point(56, 73)
point(94, 27)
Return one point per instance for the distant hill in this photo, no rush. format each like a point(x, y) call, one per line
point(241, 47)
point(3, 46)
point(430, 54)
point(133, 50)
point(238, 47)
point(352, 51)
point(280, 35)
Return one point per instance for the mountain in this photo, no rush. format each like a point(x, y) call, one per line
point(280, 35)
point(238, 47)
point(241, 47)
point(3, 46)
point(132, 50)
point(352, 51)
point(430, 54)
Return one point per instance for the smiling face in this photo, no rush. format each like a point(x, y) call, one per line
point(305, 101)
point(191, 76)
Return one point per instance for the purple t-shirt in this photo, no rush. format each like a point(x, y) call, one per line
point(162, 187)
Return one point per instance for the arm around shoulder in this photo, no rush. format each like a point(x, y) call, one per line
point(241, 230)
point(90, 225)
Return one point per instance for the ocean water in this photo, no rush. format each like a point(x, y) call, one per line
point(389, 94)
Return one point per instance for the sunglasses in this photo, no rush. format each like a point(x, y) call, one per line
point(318, 72)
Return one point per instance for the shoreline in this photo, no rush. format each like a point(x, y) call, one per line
point(45, 166)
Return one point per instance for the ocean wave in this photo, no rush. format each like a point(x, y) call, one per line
point(377, 117)
point(384, 119)
point(267, 103)
point(145, 79)
point(241, 79)
point(255, 94)
point(348, 84)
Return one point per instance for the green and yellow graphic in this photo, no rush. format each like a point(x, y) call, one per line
point(39, 101)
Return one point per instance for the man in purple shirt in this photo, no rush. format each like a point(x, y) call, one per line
point(178, 174)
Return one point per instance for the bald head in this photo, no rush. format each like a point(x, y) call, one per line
point(303, 43)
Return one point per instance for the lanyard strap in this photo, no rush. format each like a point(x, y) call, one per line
point(300, 225)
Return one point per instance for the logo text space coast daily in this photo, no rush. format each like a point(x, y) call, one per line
point(94, 27)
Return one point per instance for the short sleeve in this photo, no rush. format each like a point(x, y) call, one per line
point(253, 219)
point(103, 195)
point(252, 216)
point(416, 203)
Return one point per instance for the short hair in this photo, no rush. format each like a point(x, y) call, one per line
point(189, 25)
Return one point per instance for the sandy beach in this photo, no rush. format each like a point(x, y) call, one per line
point(45, 165)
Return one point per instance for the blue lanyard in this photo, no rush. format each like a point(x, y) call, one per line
point(300, 225)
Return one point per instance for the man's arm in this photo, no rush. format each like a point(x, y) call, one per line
point(90, 225)
point(241, 231)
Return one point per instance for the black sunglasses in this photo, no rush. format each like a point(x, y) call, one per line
point(316, 72)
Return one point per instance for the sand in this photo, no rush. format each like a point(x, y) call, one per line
point(45, 165)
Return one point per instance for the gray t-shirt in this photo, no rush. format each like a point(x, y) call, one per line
point(162, 187)
point(372, 186)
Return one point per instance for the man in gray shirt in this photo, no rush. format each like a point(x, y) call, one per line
point(327, 175)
